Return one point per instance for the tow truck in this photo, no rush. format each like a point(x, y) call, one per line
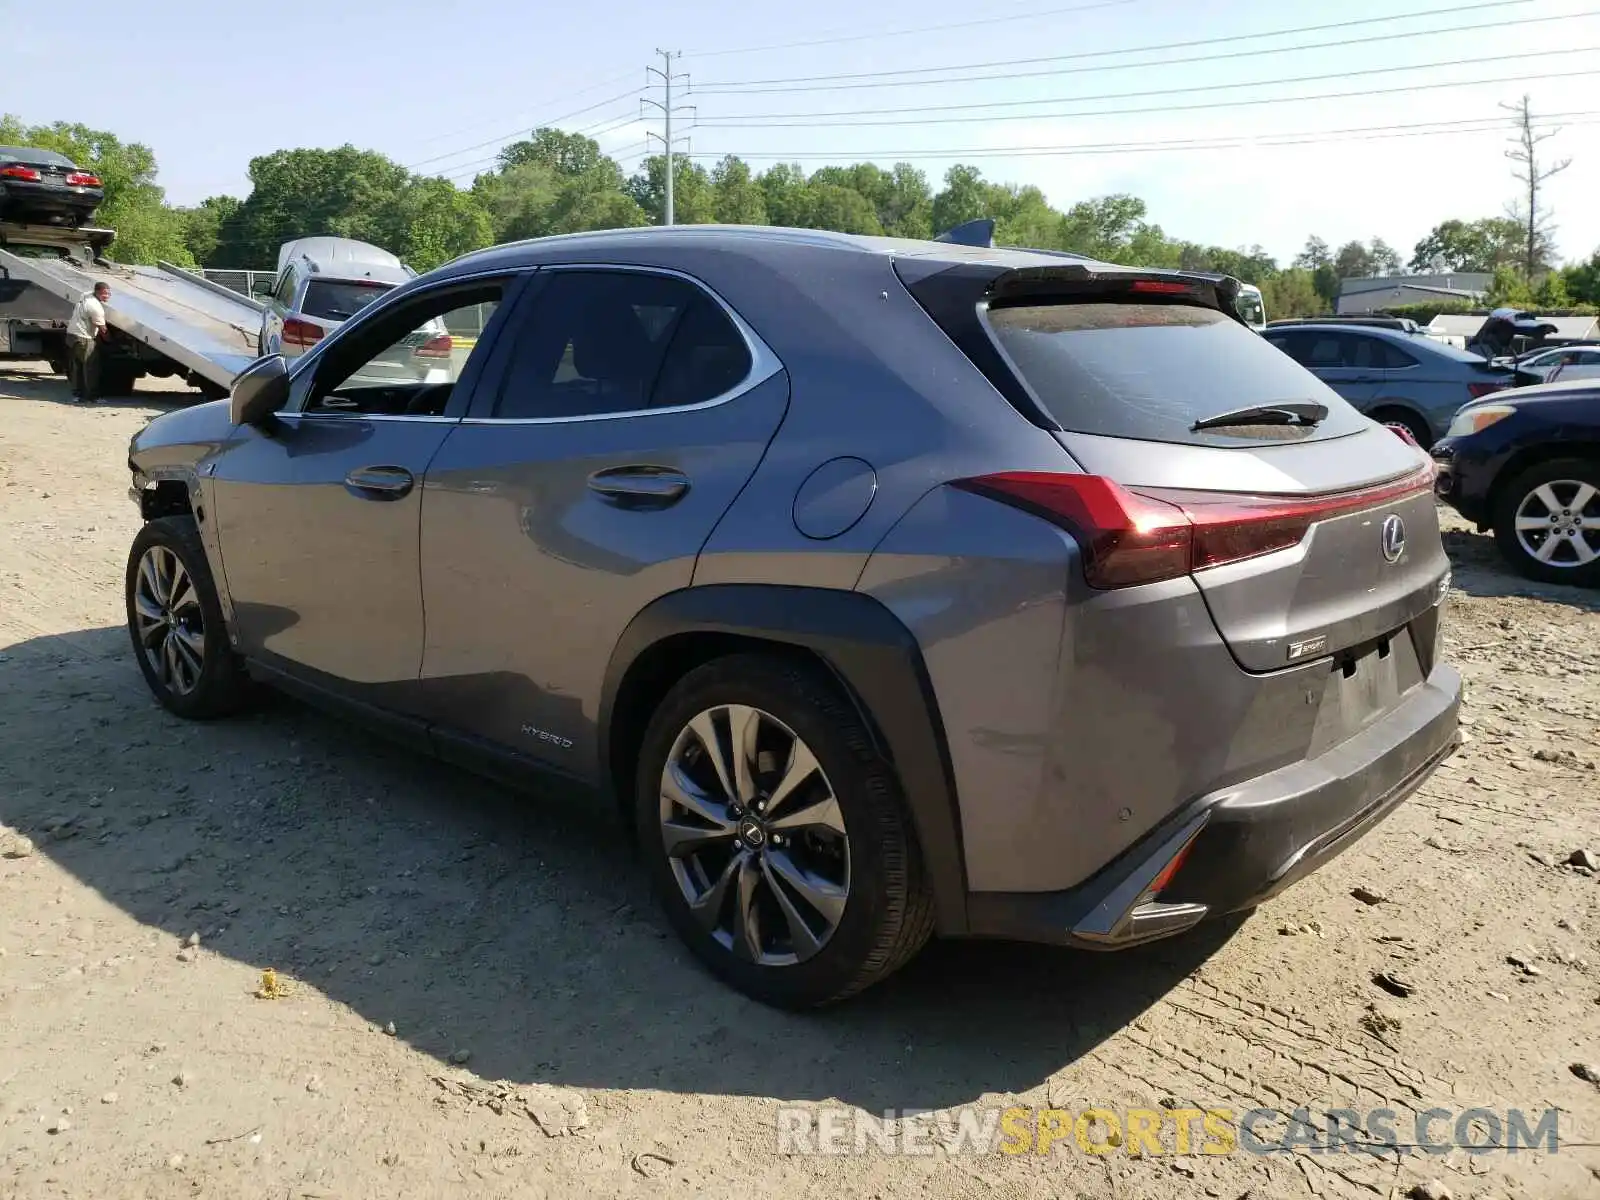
point(163, 320)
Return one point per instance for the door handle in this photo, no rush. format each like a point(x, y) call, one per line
point(380, 483)
point(1365, 379)
point(640, 486)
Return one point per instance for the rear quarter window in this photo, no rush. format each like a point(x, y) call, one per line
point(1150, 371)
point(339, 300)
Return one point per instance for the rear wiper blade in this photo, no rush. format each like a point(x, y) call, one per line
point(1290, 412)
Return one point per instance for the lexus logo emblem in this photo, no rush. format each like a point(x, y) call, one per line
point(1392, 537)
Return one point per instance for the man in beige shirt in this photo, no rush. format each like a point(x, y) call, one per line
point(86, 330)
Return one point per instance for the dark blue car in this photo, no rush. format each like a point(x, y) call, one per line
point(1394, 376)
point(1526, 464)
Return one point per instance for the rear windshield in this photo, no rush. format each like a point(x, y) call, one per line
point(1150, 371)
point(339, 299)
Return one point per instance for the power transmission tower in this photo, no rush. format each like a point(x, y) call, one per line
point(664, 73)
point(1524, 152)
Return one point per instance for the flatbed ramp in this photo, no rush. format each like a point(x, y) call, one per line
point(201, 326)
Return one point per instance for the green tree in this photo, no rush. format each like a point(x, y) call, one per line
point(1292, 293)
point(787, 194)
point(739, 199)
point(1480, 245)
point(1510, 289)
point(1354, 261)
point(204, 224)
point(965, 197)
point(1318, 259)
point(694, 200)
point(1583, 280)
point(148, 231)
point(842, 209)
point(432, 221)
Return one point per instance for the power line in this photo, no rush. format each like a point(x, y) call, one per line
point(1230, 55)
point(888, 33)
point(522, 130)
point(1268, 140)
point(809, 120)
point(564, 98)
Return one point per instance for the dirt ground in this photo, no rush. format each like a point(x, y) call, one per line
point(482, 1001)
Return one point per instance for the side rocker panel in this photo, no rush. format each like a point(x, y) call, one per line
point(873, 655)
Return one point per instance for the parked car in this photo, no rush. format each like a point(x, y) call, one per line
point(1394, 376)
point(1542, 362)
point(1526, 464)
point(46, 188)
point(889, 587)
point(322, 283)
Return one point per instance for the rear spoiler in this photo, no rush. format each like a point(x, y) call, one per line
point(1085, 275)
point(1081, 280)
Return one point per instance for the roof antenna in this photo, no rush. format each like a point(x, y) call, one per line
point(979, 232)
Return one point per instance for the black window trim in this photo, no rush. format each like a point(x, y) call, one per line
point(764, 364)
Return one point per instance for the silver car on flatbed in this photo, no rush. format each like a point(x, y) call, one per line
point(891, 588)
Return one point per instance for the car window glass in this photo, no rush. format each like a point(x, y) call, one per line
point(1296, 345)
point(340, 299)
point(1361, 352)
point(1395, 358)
point(598, 342)
point(1325, 350)
point(405, 363)
point(285, 292)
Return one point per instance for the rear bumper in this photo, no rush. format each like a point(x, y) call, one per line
point(1245, 843)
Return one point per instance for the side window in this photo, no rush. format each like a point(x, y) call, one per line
point(1361, 352)
point(405, 363)
point(1325, 350)
point(285, 293)
point(1396, 359)
point(599, 342)
point(1295, 345)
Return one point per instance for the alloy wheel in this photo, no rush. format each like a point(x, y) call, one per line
point(1558, 523)
point(754, 835)
point(168, 620)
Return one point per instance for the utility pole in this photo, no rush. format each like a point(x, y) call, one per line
point(664, 73)
point(1524, 152)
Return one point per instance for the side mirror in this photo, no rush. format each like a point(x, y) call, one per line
point(260, 390)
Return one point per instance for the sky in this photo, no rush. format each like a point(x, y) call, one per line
point(1354, 119)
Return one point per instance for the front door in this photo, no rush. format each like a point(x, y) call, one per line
point(318, 516)
point(629, 410)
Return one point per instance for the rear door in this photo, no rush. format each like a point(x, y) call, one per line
point(1127, 383)
point(629, 408)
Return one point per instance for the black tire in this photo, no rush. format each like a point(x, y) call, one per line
point(222, 686)
point(1509, 501)
point(888, 914)
point(1413, 424)
point(117, 379)
point(58, 366)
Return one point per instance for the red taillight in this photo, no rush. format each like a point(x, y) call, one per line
point(1130, 536)
point(1403, 433)
point(13, 171)
point(301, 333)
point(82, 179)
point(1160, 882)
point(438, 346)
point(1162, 287)
point(1479, 390)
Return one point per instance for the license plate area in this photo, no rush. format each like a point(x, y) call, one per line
point(1361, 684)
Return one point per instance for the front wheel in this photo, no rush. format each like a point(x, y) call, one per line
point(777, 835)
point(1547, 521)
point(176, 624)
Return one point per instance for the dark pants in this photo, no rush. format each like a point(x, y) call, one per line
point(83, 367)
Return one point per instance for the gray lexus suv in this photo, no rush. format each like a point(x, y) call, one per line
point(891, 588)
